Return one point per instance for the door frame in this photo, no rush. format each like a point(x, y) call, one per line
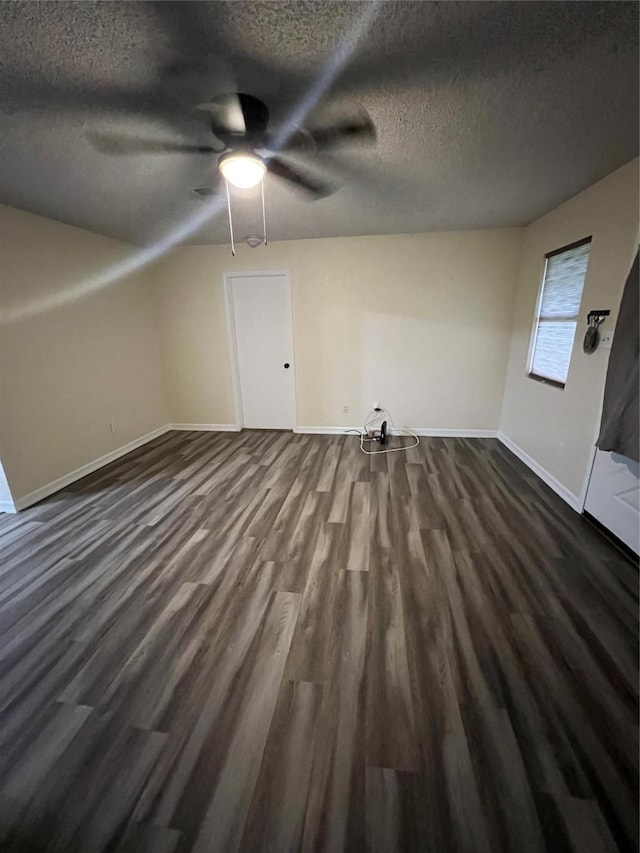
point(228, 278)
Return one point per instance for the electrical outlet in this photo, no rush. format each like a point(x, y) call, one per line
point(112, 426)
point(606, 339)
point(345, 410)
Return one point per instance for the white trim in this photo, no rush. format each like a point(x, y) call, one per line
point(206, 427)
point(232, 345)
point(587, 477)
point(434, 432)
point(324, 430)
point(590, 463)
point(89, 468)
point(533, 337)
point(6, 499)
point(573, 500)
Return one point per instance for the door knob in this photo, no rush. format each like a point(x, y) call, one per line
point(286, 365)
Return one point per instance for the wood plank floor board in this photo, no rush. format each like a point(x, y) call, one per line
point(316, 641)
point(297, 553)
point(28, 690)
point(391, 740)
point(285, 522)
point(497, 756)
point(196, 748)
point(248, 720)
point(383, 811)
point(604, 775)
point(76, 807)
point(335, 817)
point(271, 642)
point(146, 838)
point(277, 814)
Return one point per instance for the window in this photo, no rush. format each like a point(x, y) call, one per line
point(557, 317)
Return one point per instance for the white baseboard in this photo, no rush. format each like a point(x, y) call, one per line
point(8, 506)
point(455, 433)
point(206, 427)
point(323, 430)
point(551, 481)
point(89, 468)
point(435, 432)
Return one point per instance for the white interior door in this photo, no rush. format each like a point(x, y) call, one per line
point(261, 311)
point(613, 496)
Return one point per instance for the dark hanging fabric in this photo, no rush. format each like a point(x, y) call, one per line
point(620, 425)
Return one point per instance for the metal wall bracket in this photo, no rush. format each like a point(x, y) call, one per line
point(594, 318)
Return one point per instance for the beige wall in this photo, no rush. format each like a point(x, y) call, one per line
point(66, 371)
point(557, 428)
point(193, 335)
point(420, 323)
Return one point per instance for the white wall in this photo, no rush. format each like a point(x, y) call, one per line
point(419, 322)
point(557, 428)
point(66, 371)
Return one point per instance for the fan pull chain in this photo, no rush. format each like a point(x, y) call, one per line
point(233, 248)
point(264, 217)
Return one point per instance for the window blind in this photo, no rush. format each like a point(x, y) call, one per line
point(558, 313)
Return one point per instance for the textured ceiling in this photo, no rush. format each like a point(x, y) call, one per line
point(488, 114)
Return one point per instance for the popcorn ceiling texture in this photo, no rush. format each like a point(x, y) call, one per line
point(488, 114)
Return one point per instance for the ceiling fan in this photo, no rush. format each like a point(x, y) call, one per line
point(246, 147)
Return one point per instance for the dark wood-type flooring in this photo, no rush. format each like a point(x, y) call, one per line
point(266, 641)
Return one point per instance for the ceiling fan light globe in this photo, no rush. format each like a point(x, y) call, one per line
point(242, 170)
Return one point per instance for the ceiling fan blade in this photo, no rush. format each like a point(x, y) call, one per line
point(226, 114)
point(205, 192)
point(357, 128)
point(256, 114)
point(326, 138)
point(238, 115)
point(316, 187)
point(347, 131)
point(111, 143)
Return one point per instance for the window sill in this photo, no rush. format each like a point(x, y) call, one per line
point(553, 382)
